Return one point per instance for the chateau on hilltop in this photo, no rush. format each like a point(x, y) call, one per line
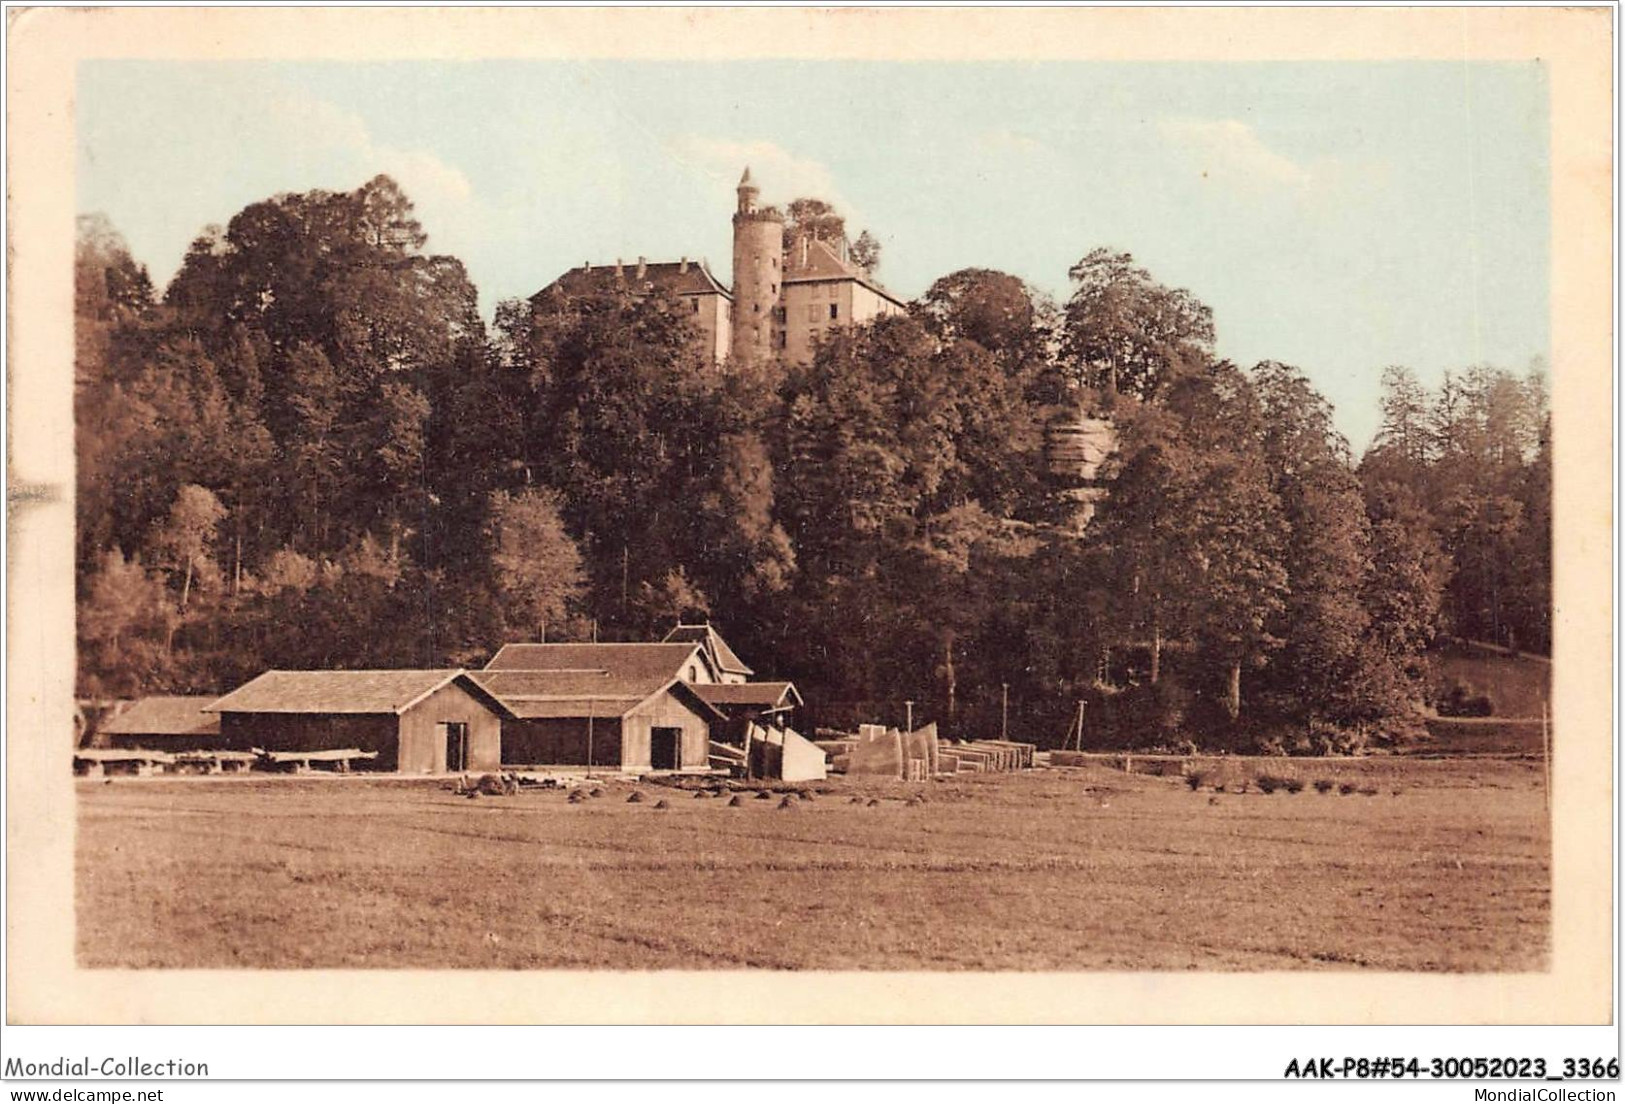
point(783, 298)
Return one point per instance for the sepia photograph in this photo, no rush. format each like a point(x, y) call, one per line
point(792, 515)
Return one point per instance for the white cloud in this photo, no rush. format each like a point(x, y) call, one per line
point(1231, 150)
point(781, 175)
point(333, 136)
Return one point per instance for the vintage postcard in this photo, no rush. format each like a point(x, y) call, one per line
point(799, 516)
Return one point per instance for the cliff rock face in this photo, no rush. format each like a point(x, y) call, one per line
point(1076, 447)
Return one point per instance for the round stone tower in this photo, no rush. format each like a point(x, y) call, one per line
point(758, 272)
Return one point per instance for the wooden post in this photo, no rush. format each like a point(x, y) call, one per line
point(1004, 721)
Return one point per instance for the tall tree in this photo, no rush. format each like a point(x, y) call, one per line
point(1126, 332)
point(536, 564)
point(809, 217)
point(186, 539)
point(1325, 672)
point(1196, 531)
point(125, 620)
point(865, 252)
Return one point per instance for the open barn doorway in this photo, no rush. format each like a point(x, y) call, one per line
point(665, 748)
point(455, 735)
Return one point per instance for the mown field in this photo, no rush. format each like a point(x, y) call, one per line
point(1444, 867)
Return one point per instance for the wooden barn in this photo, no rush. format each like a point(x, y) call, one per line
point(417, 722)
point(629, 707)
point(768, 703)
point(163, 723)
point(760, 717)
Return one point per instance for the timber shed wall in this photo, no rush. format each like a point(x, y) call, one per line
point(666, 711)
point(423, 743)
point(313, 732)
point(561, 741)
point(164, 741)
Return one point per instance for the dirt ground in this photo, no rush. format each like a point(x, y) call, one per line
point(1444, 867)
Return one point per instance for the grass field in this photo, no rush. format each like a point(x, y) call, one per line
point(1518, 686)
point(1082, 868)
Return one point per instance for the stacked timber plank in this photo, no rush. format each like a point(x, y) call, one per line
point(988, 755)
point(880, 752)
point(727, 757)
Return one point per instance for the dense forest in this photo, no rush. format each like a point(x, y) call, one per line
point(310, 450)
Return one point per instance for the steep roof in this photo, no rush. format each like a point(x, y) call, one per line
point(723, 659)
point(345, 691)
point(165, 715)
point(768, 695)
point(647, 662)
point(683, 277)
point(569, 694)
point(810, 260)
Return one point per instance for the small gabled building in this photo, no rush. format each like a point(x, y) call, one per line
point(770, 704)
point(416, 721)
point(760, 724)
point(729, 667)
point(164, 722)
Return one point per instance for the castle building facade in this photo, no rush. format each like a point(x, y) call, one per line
point(783, 298)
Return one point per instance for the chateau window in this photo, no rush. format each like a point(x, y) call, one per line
point(813, 313)
point(696, 303)
point(775, 289)
point(779, 315)
point(779, 337)
point(834, 311)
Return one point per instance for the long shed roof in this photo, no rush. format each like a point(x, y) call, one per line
point(165, 715)
point(535, 694)
point(766, 694)
point(345, 691)
point(653, 662)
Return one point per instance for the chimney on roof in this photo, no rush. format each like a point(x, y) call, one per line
point(619, 274)
point(643, 267)
point(803, 251)
point(682, 266)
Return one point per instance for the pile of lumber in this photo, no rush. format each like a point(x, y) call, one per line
point(301, 761)
point(987, 755)
point(94, 761)
point(880, 752)
point(728, 758)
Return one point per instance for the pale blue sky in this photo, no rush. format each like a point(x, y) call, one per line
point(1337, 216)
